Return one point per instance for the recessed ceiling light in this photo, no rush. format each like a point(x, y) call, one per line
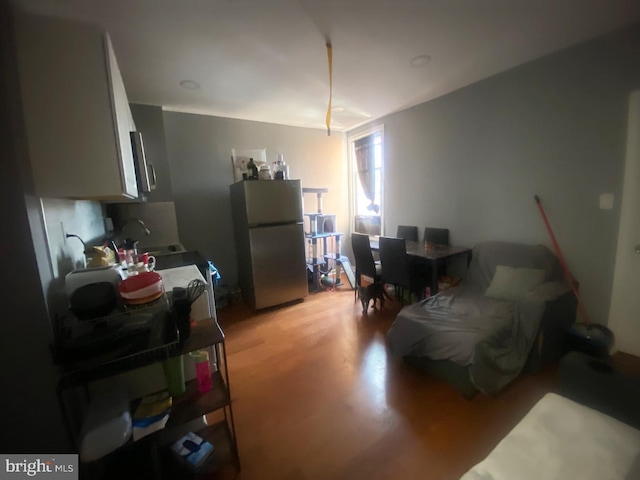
point(189, 85)
point(420, 61)
point(337, 109)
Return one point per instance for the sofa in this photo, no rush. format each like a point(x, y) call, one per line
point(588, 430)
point(511, 313)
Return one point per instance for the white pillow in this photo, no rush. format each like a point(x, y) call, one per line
point(512, 284)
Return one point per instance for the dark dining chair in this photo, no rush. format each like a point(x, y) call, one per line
point(397, 268)
point(439, 236)
point(365, 264)
point(408, 232)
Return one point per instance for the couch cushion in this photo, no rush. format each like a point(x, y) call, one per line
point(512, 284)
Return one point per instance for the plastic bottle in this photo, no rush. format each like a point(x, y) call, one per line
point(237, 171)
point(243, 171)
point(281, 167)
point(253, 169)
point(203, 370)
point(264, 172)
point(174, 375)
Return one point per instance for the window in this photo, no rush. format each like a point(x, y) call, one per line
point(367, 174)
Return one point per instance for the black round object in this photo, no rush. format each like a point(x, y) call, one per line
point(93, 300)
point(595, 340)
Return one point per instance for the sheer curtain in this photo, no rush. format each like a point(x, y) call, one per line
point(365, 163)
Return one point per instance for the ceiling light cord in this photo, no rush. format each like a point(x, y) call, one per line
point(330, 59)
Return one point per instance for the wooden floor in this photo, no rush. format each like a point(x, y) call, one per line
point(317, 396)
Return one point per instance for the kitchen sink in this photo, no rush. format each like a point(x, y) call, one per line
point(159, 250)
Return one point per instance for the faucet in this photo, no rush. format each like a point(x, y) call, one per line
point(128, 242)
point(140, 222)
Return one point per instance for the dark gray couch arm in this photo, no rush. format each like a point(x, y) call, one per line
point(550, 344)
point(596, 384)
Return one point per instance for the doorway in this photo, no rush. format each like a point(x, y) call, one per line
point(624, 314)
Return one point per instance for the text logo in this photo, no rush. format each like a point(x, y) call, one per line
point(53, 467)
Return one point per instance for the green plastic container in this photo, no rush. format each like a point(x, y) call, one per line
point(174, 375)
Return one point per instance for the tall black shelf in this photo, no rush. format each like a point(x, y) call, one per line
point(150, 456)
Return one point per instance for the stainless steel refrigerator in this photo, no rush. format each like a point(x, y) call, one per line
point(269, 236)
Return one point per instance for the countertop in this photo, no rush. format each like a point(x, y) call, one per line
point(182, 259)
point(180, 277)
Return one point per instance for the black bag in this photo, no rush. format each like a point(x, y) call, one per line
point(595, 340)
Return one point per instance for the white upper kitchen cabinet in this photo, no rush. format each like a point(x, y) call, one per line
point(76, 110)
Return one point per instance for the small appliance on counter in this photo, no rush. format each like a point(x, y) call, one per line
point(91, 292)
point(86, 276)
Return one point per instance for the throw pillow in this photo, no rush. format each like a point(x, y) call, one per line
point(512, 284)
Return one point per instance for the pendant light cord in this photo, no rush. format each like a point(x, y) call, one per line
point(330, 59)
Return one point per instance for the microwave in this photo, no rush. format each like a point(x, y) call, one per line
point(145, 173)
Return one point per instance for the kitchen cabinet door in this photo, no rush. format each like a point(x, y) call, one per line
point(124, 123)
point(76, 110)
point(149, 121)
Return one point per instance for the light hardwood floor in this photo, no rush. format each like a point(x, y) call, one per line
point(317, 396)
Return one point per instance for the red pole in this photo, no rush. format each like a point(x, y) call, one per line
point(563, 263)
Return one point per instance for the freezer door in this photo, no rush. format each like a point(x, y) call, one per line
point(278, 264)
point(270, 202)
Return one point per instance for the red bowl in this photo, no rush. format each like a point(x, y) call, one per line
point(138, 282)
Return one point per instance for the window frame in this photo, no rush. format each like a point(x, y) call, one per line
point(353, 176)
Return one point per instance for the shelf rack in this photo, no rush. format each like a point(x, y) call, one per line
point(189, 412)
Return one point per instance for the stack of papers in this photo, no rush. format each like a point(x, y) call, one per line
point(151, 415)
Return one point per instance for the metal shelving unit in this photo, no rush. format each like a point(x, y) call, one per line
point(189, 411)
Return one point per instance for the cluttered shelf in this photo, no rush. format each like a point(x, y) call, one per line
point(192, 404)
point(196, 437)
point(165, 417)
point(102, 347)
point(160, 411)
point(135, 349)
point(163, 457)
point(217, 435)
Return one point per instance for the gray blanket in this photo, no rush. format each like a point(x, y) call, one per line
point(490, 337)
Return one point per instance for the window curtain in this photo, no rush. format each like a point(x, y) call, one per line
point(365, 162)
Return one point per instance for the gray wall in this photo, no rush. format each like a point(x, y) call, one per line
point(31, 418)
point(80, 217)
point(473, 160)
point(199, 151)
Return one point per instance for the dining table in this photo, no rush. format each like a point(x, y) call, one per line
point(436, 255)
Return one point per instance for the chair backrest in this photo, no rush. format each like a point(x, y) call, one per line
point(393, 258)
point(408, 232)
point(361, 247)
point(439, 236)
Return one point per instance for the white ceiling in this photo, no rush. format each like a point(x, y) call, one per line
point(266, 60)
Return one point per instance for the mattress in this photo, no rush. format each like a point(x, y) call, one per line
point(561, 439)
